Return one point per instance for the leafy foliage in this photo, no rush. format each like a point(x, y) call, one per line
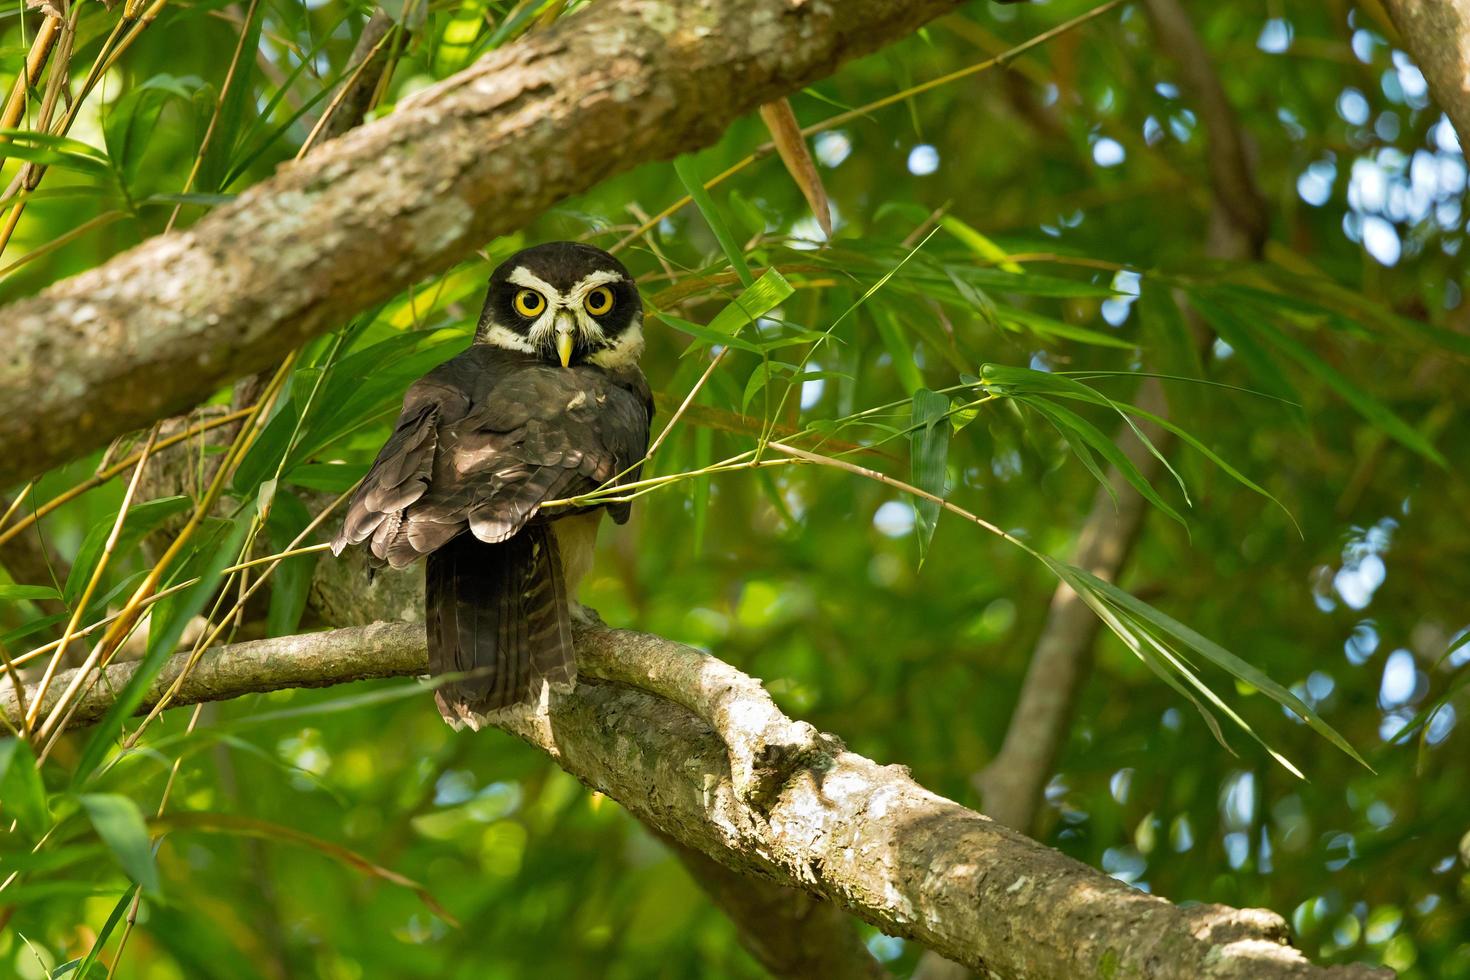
point(1012, 256)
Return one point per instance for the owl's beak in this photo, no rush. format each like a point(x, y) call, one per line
point(566, 335)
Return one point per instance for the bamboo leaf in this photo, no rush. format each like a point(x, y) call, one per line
point(1221, 657)
point(120, 825)
point(1212, 456)
point(290, 583)
point(1237, 333)
point(1025, 283)
point(1050, 328)
point(1066, 387)
point(1065, 418)
point(791, 145)
point(132, 119)
point(233, 105)
point(902, 355)
point(1171, 342)
point(928, 455)
point(755, 301)
point(140, 520)
point(688, 172)
point(21, 789)
point(57, 151)
point(328, 477)
point(1355, 395)
point(15, 593)
point(85, 965)
point(704, 334)
point(978, 243)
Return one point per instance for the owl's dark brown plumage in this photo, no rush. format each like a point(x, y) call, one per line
point(482, 442)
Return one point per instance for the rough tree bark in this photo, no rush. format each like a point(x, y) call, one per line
point(697, 750)
point(158, 328)
point(1437, 34)
point(706, 758)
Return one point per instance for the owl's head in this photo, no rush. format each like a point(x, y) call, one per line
point(566, 303)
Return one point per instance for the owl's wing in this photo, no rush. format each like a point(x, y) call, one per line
point(482, 442)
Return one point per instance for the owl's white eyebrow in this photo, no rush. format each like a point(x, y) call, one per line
point(522, 276)
point(594, 279)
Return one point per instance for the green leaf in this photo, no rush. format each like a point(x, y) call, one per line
point(902, 355)
point(1221, 657)
point(15, 593)
point(1238, 334)
point(329, 477)
point(688, 173)
point(236, 824)
point(1171, 343)
point(1065, 419)
point(359, 388)
point(291, 581)
point(769, 370)
point(1013, 379)
point(1026, 283)
point(978, 243)
point(761, 377)
point(928, 454)
point(1366, 405)
point(1046, 327)
point(754, 302)
point(230, 115)
point(749, 214)
point(85, 966)
point(963, 416)
point(33, 627)
point(120, 825)
point(132, 119)
point(702, 333)
point(57, 151)
point(1212, 456)
point(458, 37)
point(21, 788)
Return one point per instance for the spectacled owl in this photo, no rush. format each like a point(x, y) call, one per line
point(547, 403)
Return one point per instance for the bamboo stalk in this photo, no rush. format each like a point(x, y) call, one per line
point(40, 53)
point(93, 581)
point(97, 479)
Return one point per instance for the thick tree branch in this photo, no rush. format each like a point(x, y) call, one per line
point(157, 329)
point(1437, 34)
point(792, 933)
point(837, 825)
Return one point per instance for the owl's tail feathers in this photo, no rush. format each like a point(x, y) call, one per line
point(497, 613)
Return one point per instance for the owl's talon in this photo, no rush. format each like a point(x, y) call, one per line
point(584, 615)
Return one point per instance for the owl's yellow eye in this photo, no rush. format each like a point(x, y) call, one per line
point(599, 301)
point(528, 302)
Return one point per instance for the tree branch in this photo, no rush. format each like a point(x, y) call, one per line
point(158, 328)
point(833, 823)
point(1437, 34)
point(793, 934)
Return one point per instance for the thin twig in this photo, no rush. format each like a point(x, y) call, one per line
point(97, 479)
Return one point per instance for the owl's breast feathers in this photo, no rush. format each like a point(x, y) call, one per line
point(488, 437)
